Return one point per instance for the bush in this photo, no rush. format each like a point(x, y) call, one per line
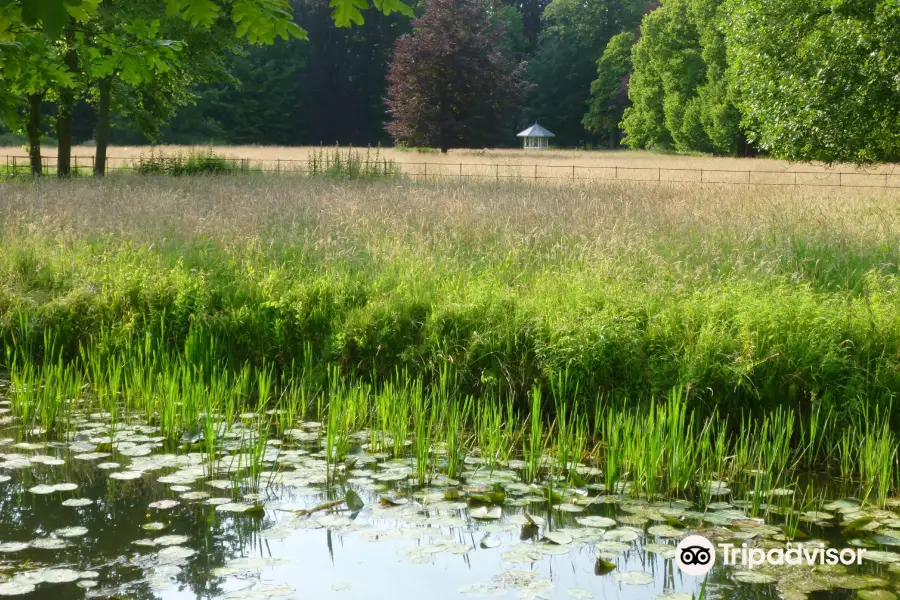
point(204, 162)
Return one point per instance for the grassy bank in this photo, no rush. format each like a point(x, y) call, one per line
point(747, 298)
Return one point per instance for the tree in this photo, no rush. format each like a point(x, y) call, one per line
point(609, 92)
point(145, 56)
point(34, 69)
point(450, 85)
point(818, 80)
point(575, 35)
point(680, 97)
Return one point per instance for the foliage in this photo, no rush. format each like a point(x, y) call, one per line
point(574, 37)
point(256, 21)
point(634, 291)
point(680, 98)
point(609, 92)
point(204, 162)
point(450, 84)
point(818, 80)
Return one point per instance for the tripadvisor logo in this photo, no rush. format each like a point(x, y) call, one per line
point(696, 555)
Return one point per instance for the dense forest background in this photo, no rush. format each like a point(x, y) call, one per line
point(331, 88)
point(796, 79)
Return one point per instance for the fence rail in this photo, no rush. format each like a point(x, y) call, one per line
point(18, 165)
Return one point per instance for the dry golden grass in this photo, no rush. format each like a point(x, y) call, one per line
point(552, 163)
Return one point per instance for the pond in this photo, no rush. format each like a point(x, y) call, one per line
point(114, 510)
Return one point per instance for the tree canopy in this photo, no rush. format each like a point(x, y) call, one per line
point(818, 80)
point(451, 83)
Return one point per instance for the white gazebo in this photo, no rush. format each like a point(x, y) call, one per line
point(535, 138)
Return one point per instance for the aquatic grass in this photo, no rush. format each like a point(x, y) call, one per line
point(424, 417)
point(534, 445)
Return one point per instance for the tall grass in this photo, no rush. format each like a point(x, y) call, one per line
point(736, 336)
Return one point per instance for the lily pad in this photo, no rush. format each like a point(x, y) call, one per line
point(14, 588)
point(559, 538)
point(71, 532)
point(753, 577)
point(354, 502)
point(78, 502)
point(665, 531)
point(580, 593)
point(881, 557)
point(620, 535)
point(599, 522)
point(59, 576)
point(175, 553)
point(164, 504)
point(482, 512)
point(633, 577)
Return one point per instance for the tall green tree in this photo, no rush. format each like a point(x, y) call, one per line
point(450, 83)
point(575, 35)
point(818, 80)
point(609, 92)
point(680, 95)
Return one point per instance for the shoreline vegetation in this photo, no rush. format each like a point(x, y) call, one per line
point(673, 336)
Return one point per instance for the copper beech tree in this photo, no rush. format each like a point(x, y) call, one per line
point(450, 83)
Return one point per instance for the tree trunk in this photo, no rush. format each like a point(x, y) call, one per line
point(64, 118)
point(34, 134)
point(102, 134)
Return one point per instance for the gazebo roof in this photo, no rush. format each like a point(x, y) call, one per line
point(535, 131)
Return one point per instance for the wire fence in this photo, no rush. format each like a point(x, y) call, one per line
point(18, 165)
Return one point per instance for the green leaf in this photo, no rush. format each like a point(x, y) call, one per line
point(354, 502)
point(200, 13)
point(391, 6)
point(347, 12)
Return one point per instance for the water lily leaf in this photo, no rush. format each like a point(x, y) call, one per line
point(153, 526)
point(14, 588)
point(558, 538)
point(59, 576)
point(881, 557)
point(175, 553)
point(78, 502)
point(752, 577)
point(664, 550)
point(604, 567)
point(580, 593)
point(10, 547)
point(599, 522)
point(490, 542)
point(164, 504)
point(855, 525)
point(70, 532)
point(482, 512)
point(233, 507)
point(665, 531)
point(620, 535)
point(49, 543)
point(125, 475)
point(633, 577)
point(354, 502)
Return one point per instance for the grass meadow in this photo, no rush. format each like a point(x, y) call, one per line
point(744, 297)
